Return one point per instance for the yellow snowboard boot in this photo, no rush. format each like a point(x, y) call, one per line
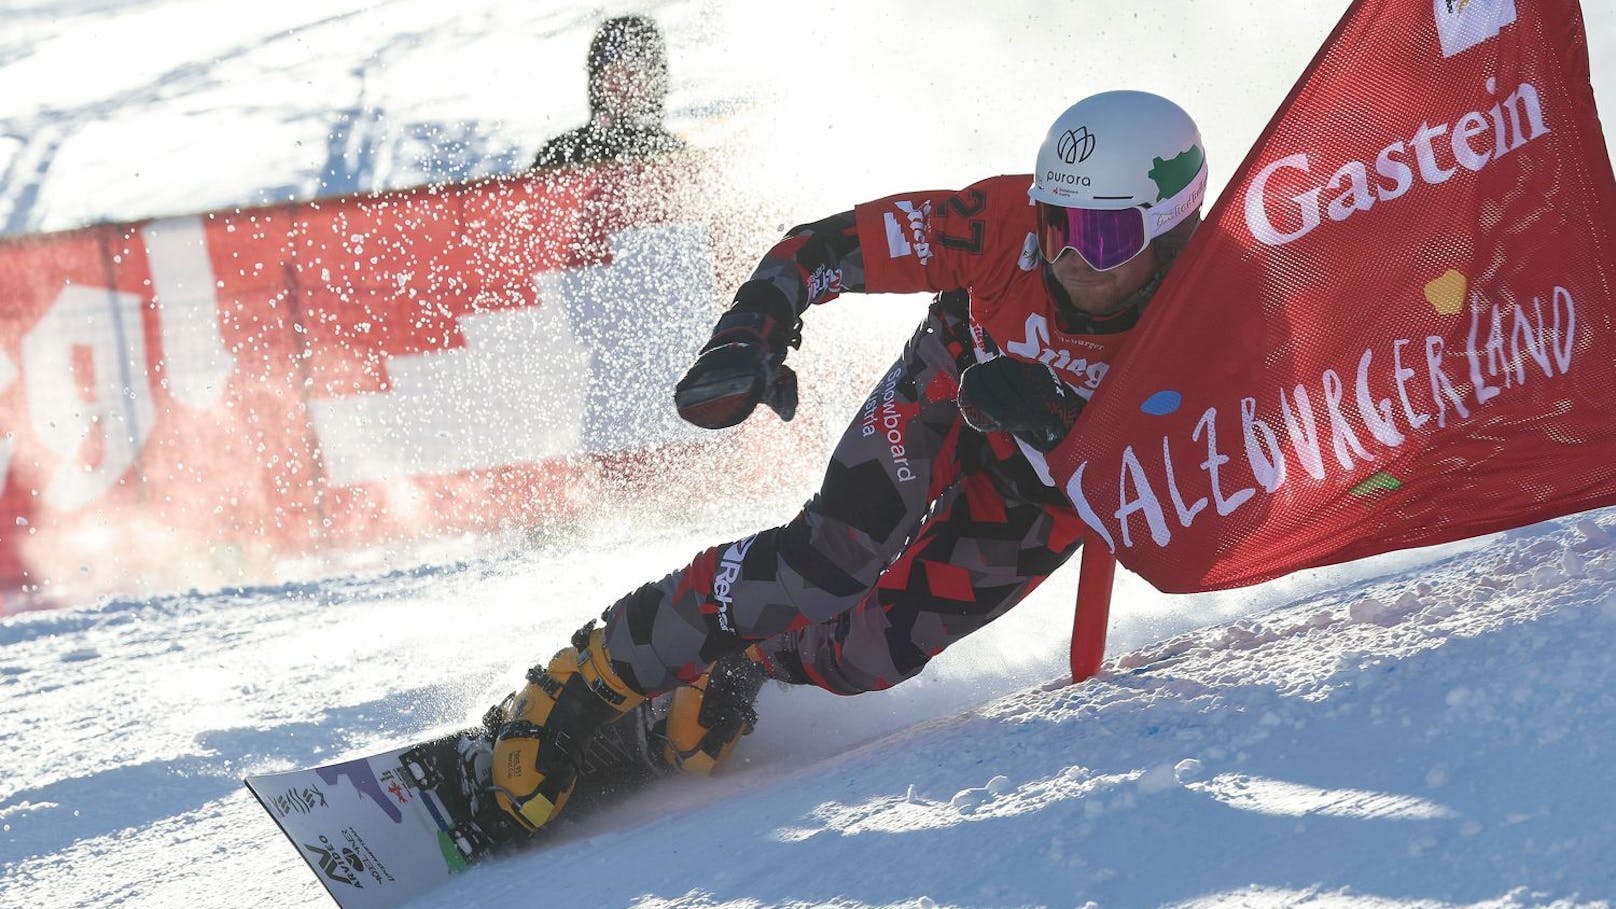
point(539, 748)
point(708, 717)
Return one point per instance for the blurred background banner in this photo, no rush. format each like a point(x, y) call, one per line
point(1398, 326)
point(250, 384)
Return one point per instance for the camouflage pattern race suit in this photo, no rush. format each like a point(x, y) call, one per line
point(924, 529)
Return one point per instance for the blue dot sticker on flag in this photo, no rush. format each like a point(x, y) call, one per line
point(1162, 403)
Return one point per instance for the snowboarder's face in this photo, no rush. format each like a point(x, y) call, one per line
point(1102, 293)
point(626, 90)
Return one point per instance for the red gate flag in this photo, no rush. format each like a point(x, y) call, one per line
point(1397, 327)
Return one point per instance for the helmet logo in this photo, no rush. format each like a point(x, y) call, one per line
point(1172, 175)
point(1075, 145)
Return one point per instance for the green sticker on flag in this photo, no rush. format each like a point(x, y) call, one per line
point(1379, 481)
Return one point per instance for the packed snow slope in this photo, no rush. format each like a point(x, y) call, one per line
point(1439, 735)
point(1428, 729)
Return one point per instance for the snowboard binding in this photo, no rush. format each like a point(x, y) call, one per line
point(455, 771)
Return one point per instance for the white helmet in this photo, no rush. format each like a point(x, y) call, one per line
point(1123, 150)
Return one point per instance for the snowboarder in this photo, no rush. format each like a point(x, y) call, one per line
point(628, 86)
point(935, 515)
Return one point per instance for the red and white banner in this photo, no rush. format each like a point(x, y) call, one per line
point(235, 386)
point(1398, 325)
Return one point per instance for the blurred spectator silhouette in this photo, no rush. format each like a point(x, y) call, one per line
point(628, 86)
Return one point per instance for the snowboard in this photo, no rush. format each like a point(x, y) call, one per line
point(380, 829)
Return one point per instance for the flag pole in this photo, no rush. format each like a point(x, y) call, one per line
point(1093, 611)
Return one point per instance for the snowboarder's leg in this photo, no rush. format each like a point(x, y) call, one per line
point(978, 555)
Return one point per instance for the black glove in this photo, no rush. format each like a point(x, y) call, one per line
point(1025, 399)
point(742, 366)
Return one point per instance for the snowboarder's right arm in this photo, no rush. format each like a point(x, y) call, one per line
point(743, 364)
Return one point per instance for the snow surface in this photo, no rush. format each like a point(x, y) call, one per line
point(1425, 729)
point(1438, 735)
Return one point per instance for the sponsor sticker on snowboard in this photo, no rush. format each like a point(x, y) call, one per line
point(370, 835)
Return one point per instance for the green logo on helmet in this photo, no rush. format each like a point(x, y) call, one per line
point(1173, 175)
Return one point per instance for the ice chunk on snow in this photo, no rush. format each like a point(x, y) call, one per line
point(1188, 770)
point(1571, 563)
point(1157, 779)
point(967, 801)
point(1370, 611)
point(1596, 534)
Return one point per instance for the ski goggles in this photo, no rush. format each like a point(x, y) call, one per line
point(1105, 238)
point(1109, 237)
